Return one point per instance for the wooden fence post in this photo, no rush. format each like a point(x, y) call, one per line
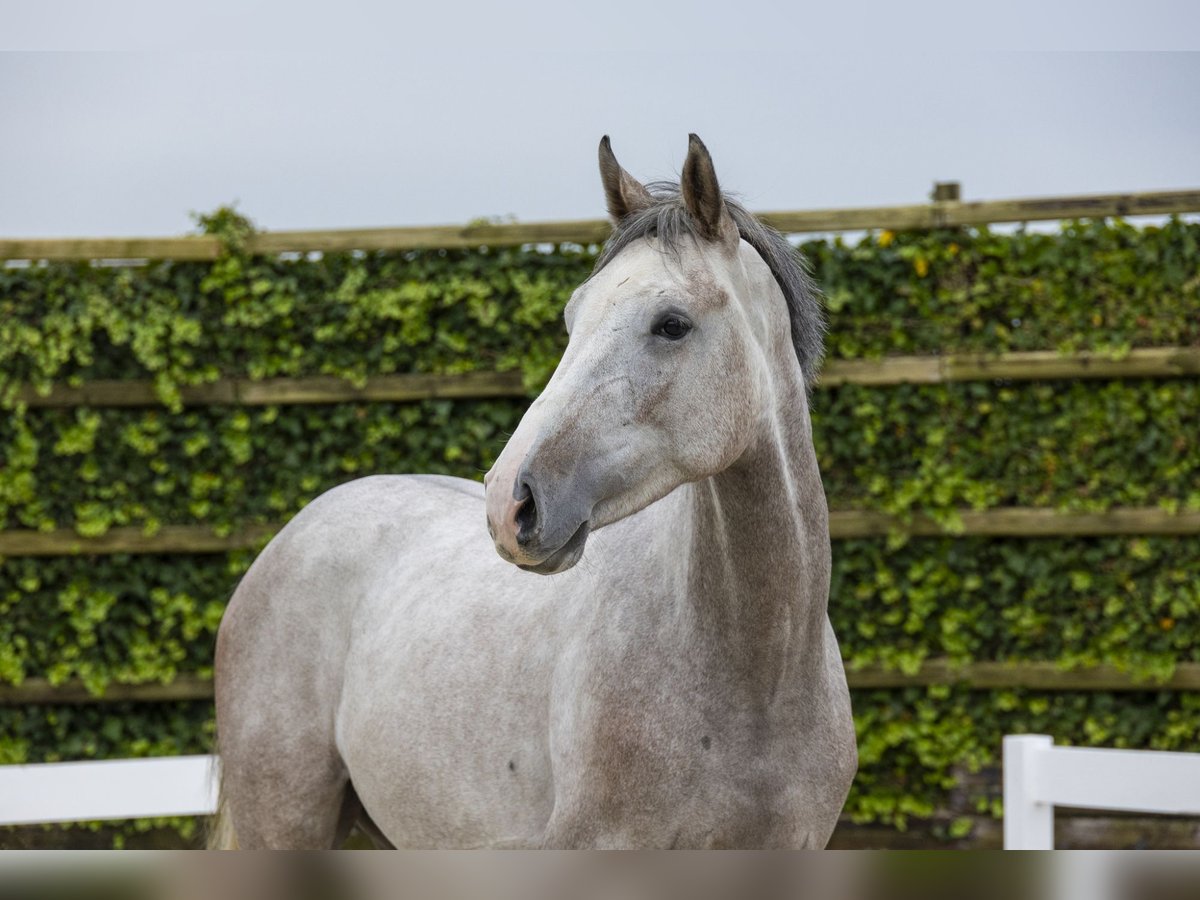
point(946, 191)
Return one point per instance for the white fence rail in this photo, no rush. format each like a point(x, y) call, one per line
point(111, 789)
point(1039, 776)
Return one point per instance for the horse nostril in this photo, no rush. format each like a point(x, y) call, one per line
point(527, 516)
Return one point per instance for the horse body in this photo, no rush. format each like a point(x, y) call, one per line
point(680, 685)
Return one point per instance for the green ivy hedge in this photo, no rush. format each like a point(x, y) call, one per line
point(1082, 445)
point(1072, 445)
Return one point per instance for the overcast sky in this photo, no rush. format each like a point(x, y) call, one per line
point(381, 115)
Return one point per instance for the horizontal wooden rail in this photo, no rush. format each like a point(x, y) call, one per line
point(181, 249)
point(1028, 365)
point(1018, 521)
point(285, 391)
point(978, 675)
point(982, 212)
point(39, 690)
point(1035, 675)
point(843, 524)
point(1148, 362)
point(590, 231)
point(167, 539)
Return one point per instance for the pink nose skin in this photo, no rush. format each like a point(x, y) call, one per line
point(502, 525)
point(502, 507)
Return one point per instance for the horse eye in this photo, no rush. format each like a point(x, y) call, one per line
point(672, 328)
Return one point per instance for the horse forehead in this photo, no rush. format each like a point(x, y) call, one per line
point(646, 270)
point(707, 288)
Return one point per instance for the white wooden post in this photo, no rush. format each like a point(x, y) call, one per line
point(1028, 820)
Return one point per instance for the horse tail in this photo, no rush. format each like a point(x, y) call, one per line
point(221, 835)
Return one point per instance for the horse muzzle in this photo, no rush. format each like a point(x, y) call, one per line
point(533, 529)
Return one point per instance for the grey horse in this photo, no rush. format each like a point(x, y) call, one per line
point(385, 663)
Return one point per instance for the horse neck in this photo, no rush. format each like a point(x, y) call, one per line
point(758, 570)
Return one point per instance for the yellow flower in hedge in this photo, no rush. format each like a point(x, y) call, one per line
point(886, 237)
point(921, 264)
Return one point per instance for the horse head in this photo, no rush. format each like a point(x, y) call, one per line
point(676, 341)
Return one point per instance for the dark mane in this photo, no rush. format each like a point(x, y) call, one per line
point(668, 220)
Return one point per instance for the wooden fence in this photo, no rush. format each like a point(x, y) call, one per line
point(940, 213)
point(1161, 362)
point(1039, 776)
point(1150, 362)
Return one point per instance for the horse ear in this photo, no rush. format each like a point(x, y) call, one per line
point(624, 193)
point(702, 194)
